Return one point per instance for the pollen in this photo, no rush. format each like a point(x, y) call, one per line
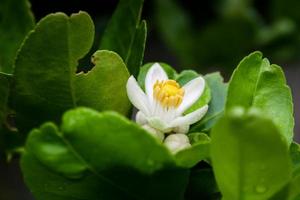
point(168, 93)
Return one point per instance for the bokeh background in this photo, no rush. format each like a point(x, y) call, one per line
point(204, 35)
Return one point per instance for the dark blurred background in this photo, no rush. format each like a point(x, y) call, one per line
point(204, 35)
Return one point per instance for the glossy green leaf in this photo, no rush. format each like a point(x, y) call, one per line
point(294, 189)
point(16, 21)
point(250, 158)
point(295, 156)
point(10, 139)
point(185, 76)
point(97, 88)
point(99, 156)
point(198, 136)
point(217, 104)
point(46, 83)
point(198, 151)
point(4, 91)
point(126, 34)
point(136, 53)
point(256, 83)
point(46, 64)
point(290, 191)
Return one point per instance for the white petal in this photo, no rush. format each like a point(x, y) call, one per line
point(192, 91)
point(159, 124)
point(156, 72)
point(136, 95)
point(140, 118)
point(169, 115)
point(190, 118)
point(155, 133)
point(177, 142)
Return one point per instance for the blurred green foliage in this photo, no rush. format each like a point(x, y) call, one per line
point(222, 31)
point(15, 23)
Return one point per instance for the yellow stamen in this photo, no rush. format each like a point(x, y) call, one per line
point(168, 93)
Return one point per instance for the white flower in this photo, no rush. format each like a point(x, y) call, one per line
point(163, 103)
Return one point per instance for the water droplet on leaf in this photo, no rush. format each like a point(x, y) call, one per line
point(260, 189)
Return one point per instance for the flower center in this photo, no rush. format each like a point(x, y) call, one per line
point(168, 93)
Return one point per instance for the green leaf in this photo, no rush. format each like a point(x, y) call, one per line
point(4, 91)
point(10, 139)
point(46, 64)
point(185, 76)
point(202, 185)
point(136, 53)
point(216, 106)
point(198, 151)
point(295, 156)
point(100, 90)
point(256, 83)
point(198, 136)
point(294, 189)
point(46, 83)
point(16, 21)
point(126, 34)
point(250, 159)
point(99, 156)
point(291, 191)
point(5, 134)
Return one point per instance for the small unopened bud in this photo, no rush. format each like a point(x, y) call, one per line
point(182, 129)
point(177, 142)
